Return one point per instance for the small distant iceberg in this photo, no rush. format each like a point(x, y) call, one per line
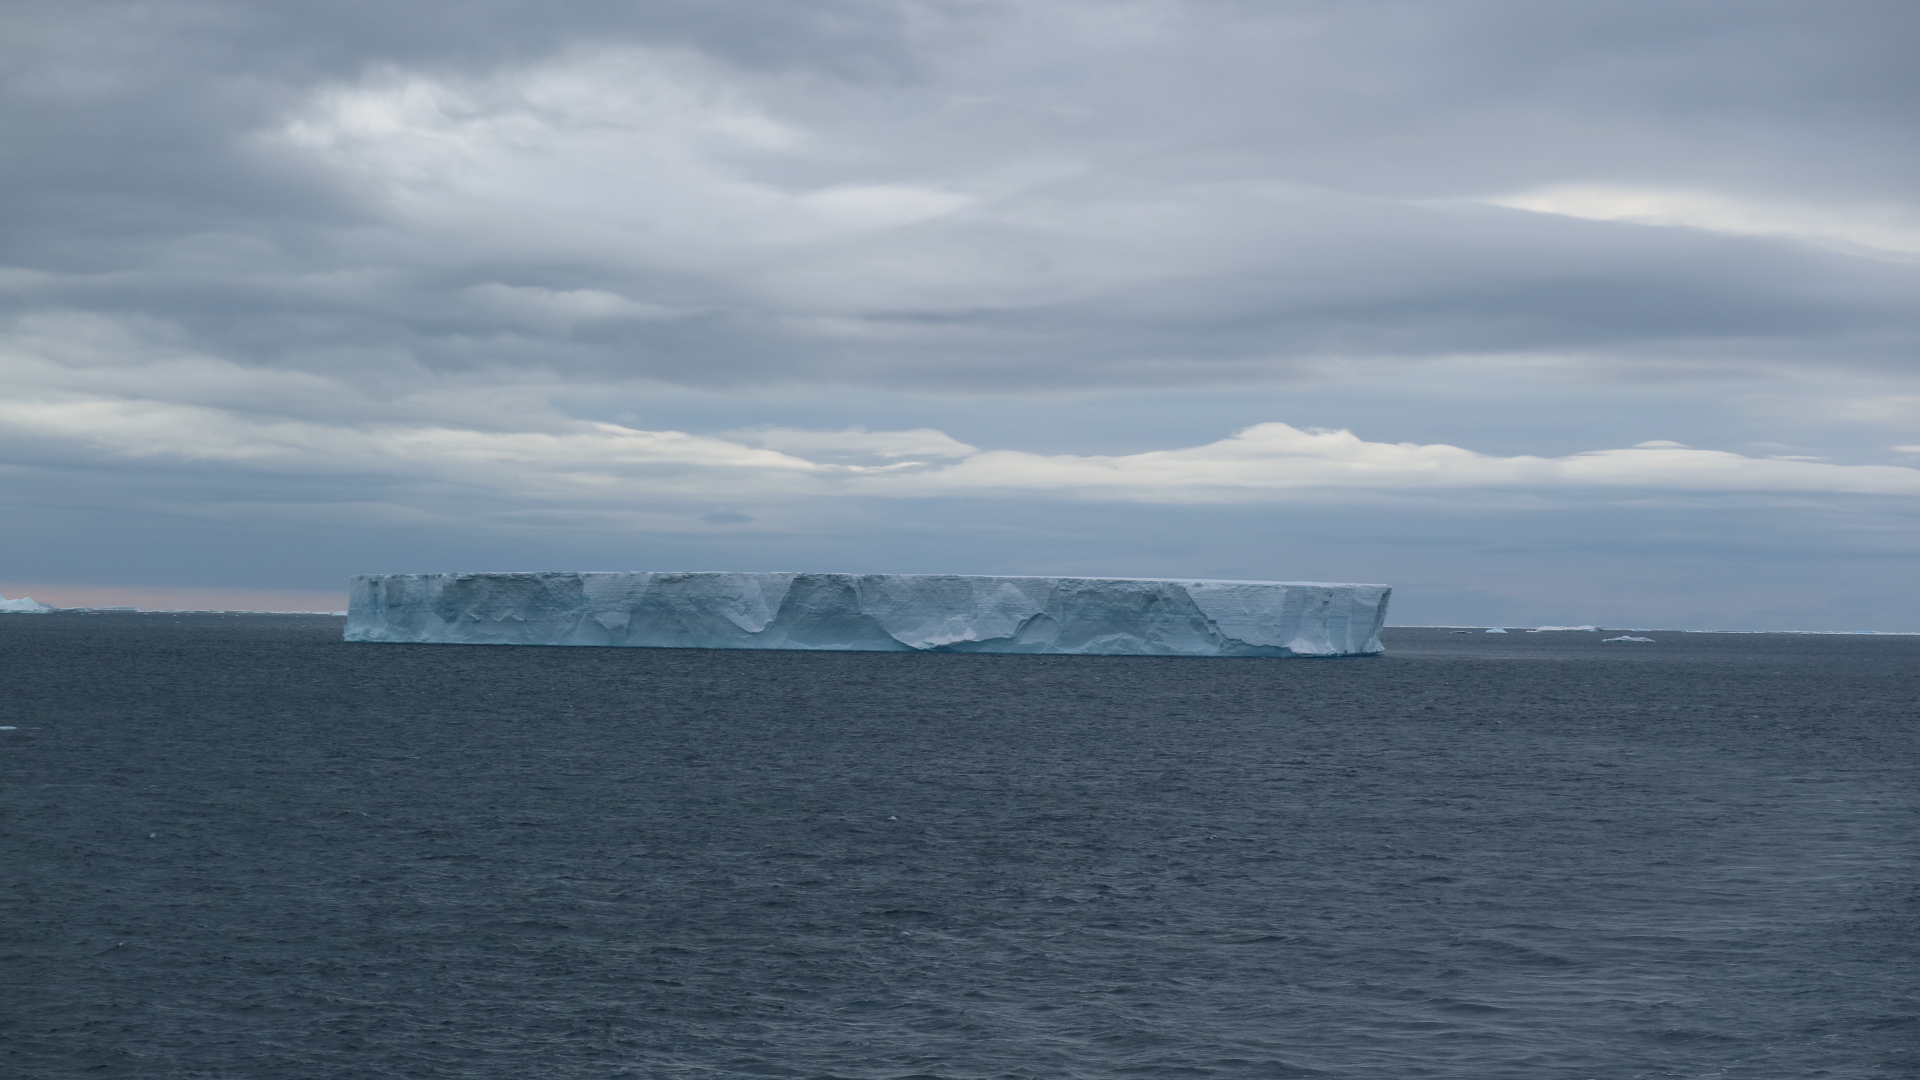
point(25, 605)
point(1627, 637)
point(1495, 630)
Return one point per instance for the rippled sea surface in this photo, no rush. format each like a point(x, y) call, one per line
point(239, 847)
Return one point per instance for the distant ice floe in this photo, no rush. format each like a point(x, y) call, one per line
point(1627, 637)
point(25, 605)
point(1680, 630)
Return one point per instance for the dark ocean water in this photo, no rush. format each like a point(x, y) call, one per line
point(239, 847)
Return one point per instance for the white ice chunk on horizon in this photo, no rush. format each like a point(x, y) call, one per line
point(873, 612)
point(1496, 630)
point(1549, 629)
point(1627, 637)
point(25, 605)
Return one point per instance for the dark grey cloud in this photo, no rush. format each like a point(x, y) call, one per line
point(331, 38)
point(1422, 99)
point(147, 178)
point(1243, 286)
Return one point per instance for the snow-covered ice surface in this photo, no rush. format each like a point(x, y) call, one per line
point(25, 605)
point(873, 612)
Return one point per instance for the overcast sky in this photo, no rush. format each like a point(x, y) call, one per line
point(1540, 312)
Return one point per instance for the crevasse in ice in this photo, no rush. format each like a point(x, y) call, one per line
point(873, 612)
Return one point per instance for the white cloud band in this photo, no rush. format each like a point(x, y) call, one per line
point(600, 462)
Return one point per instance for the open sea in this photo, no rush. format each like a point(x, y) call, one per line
point(238, 847)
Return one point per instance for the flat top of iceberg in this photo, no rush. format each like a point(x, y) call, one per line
point(869, 574)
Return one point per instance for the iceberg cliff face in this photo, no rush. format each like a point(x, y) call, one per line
point(873, 612)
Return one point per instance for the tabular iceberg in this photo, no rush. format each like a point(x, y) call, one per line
point(873, 613)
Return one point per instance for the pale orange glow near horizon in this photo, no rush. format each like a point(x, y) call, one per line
point(177, 597)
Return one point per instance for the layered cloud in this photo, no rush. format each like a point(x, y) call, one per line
point(1886, 229)
point(1271, 460)
point(598, 464)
